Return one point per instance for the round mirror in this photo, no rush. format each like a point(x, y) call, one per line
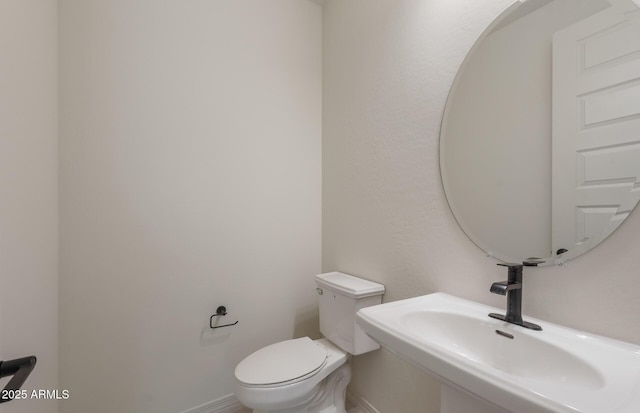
point(540, 140)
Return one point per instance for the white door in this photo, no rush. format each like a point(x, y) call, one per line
point(595, 128)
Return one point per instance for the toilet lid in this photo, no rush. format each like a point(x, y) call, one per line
point(281, 362)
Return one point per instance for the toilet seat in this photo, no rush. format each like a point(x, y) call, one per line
point(282, 363)
point(295, 392)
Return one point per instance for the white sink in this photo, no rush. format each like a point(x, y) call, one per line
point(525, 371)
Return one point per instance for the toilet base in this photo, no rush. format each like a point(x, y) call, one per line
point(327, 397)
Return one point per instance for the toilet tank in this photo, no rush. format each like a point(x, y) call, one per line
point(341, 296)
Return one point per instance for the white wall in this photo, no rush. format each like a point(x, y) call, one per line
point(387, 70)
point(190, 178)
point(28, 194)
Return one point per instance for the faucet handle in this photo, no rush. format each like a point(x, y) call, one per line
point(512, 266)
point(515, 271)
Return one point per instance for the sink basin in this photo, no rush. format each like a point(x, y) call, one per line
point(529, 357)
point(525, 371)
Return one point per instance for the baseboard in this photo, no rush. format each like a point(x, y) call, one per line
point(229, 404)
point(361, 403)
point(226, 404)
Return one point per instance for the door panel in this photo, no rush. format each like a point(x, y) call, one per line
point(595, 129)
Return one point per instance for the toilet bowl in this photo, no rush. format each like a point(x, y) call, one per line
point(311, 376)
point(268, 389)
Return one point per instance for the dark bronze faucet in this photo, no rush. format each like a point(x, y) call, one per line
point(512, 288)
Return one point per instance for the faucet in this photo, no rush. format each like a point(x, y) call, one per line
point(512, 288)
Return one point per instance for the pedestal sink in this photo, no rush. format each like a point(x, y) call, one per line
point(512, 368)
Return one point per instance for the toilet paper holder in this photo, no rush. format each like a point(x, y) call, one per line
point(221, 311)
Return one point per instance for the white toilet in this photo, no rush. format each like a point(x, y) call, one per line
point(311, 376)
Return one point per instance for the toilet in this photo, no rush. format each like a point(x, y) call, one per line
point(311, 376)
